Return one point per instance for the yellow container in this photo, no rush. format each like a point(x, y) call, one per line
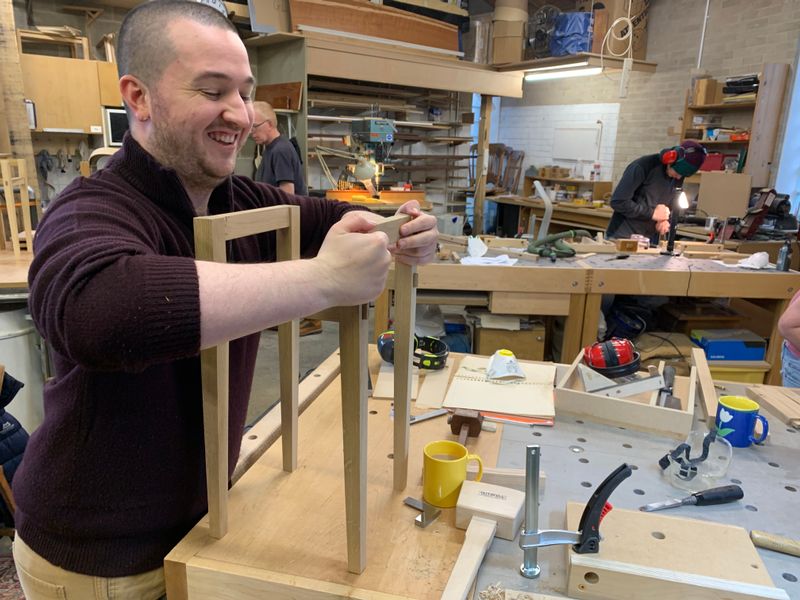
point(739, 374)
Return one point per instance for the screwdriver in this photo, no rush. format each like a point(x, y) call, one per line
point(717, 495)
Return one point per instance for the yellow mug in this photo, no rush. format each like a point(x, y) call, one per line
point(444, 470)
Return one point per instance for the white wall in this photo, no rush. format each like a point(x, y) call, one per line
point(532, 129)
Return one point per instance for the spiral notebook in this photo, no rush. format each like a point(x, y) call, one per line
point(532, 397)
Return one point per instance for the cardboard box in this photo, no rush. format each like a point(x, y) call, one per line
point(508, 29)
point(526, 344)
point(706, 92)
point(507, 50)
point(730, 344)
point(614, 9)
point(724, 194)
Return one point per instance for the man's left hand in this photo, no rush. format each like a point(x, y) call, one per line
point(417, 243)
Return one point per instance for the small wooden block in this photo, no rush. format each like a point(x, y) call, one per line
point(500, 504)
point(510, 478)
point(627, 245)
point(391, 226)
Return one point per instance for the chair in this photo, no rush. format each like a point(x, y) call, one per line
point(211, 234)
point(15, 175)
point(512, 171)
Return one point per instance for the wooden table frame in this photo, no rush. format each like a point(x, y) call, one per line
point(211, 235)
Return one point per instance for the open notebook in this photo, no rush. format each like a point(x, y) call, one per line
point(532, 397)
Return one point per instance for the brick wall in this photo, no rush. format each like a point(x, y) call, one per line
point(533, 129)
point(741, 36)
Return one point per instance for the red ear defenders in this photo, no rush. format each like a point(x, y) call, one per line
point(669, 156)
point(429, 352)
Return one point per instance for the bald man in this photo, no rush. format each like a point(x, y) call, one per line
point(280, 165)
point(115, 475)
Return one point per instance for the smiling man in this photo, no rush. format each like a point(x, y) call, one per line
point(114, 476)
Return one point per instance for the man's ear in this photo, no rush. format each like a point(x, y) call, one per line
point(136, 97)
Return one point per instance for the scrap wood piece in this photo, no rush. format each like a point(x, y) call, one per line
point(780, 401)
point(281, 95)
point(708, 393)
point(433, 387)
point(634, 563)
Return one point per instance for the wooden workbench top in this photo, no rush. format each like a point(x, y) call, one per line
point(288, 530)
point(13, 270)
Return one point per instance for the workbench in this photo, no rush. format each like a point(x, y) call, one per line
point(771, 247)
point(566, 215)
point(574, 288)
point(286, 537)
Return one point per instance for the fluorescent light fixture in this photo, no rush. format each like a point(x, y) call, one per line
point(585, 72)
point(583, 63)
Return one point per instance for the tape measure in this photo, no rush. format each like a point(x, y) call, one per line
point(429, 352)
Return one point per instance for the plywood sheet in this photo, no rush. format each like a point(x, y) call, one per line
point(648, 555)
point(365, 18)
point(532, 397)
point(281, 95)
point(384, 385)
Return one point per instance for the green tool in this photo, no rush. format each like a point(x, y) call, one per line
point(553, 246)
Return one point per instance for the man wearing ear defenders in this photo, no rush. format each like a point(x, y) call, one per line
point(644, 194)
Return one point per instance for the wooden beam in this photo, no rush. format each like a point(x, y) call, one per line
point(482, 163)
point(364, 18)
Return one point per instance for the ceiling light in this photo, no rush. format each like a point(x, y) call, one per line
point(583, 63)
point(585, 72)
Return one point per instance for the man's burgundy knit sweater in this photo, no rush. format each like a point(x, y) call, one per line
point(114, 477)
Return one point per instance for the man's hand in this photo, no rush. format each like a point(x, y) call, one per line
point(353, 263)
point(662, 227)
point(417, 243)
point(661, 213)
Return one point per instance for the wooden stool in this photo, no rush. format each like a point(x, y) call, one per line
point(14, 173)
point(211, 233)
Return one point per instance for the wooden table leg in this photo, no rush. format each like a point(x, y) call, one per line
point(353, 353)
point(405, 300)
point(591, 318)
point(382, 304)
point(573, 326)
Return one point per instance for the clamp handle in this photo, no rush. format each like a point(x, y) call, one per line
point(596, 509)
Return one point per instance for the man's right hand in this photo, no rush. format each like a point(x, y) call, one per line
point(661, 213)
point(353, 264)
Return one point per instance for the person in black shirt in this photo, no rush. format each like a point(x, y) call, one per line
point(280, 164)
point(644, 194)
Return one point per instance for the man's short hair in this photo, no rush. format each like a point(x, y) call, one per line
point(266, 111)
point(143, 48)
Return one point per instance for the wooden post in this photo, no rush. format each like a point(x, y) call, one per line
point(405, 299)
point(288, 248)
point(352, 347)
point(482, 164)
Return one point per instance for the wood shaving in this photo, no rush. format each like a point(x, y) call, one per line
point(493, 592)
